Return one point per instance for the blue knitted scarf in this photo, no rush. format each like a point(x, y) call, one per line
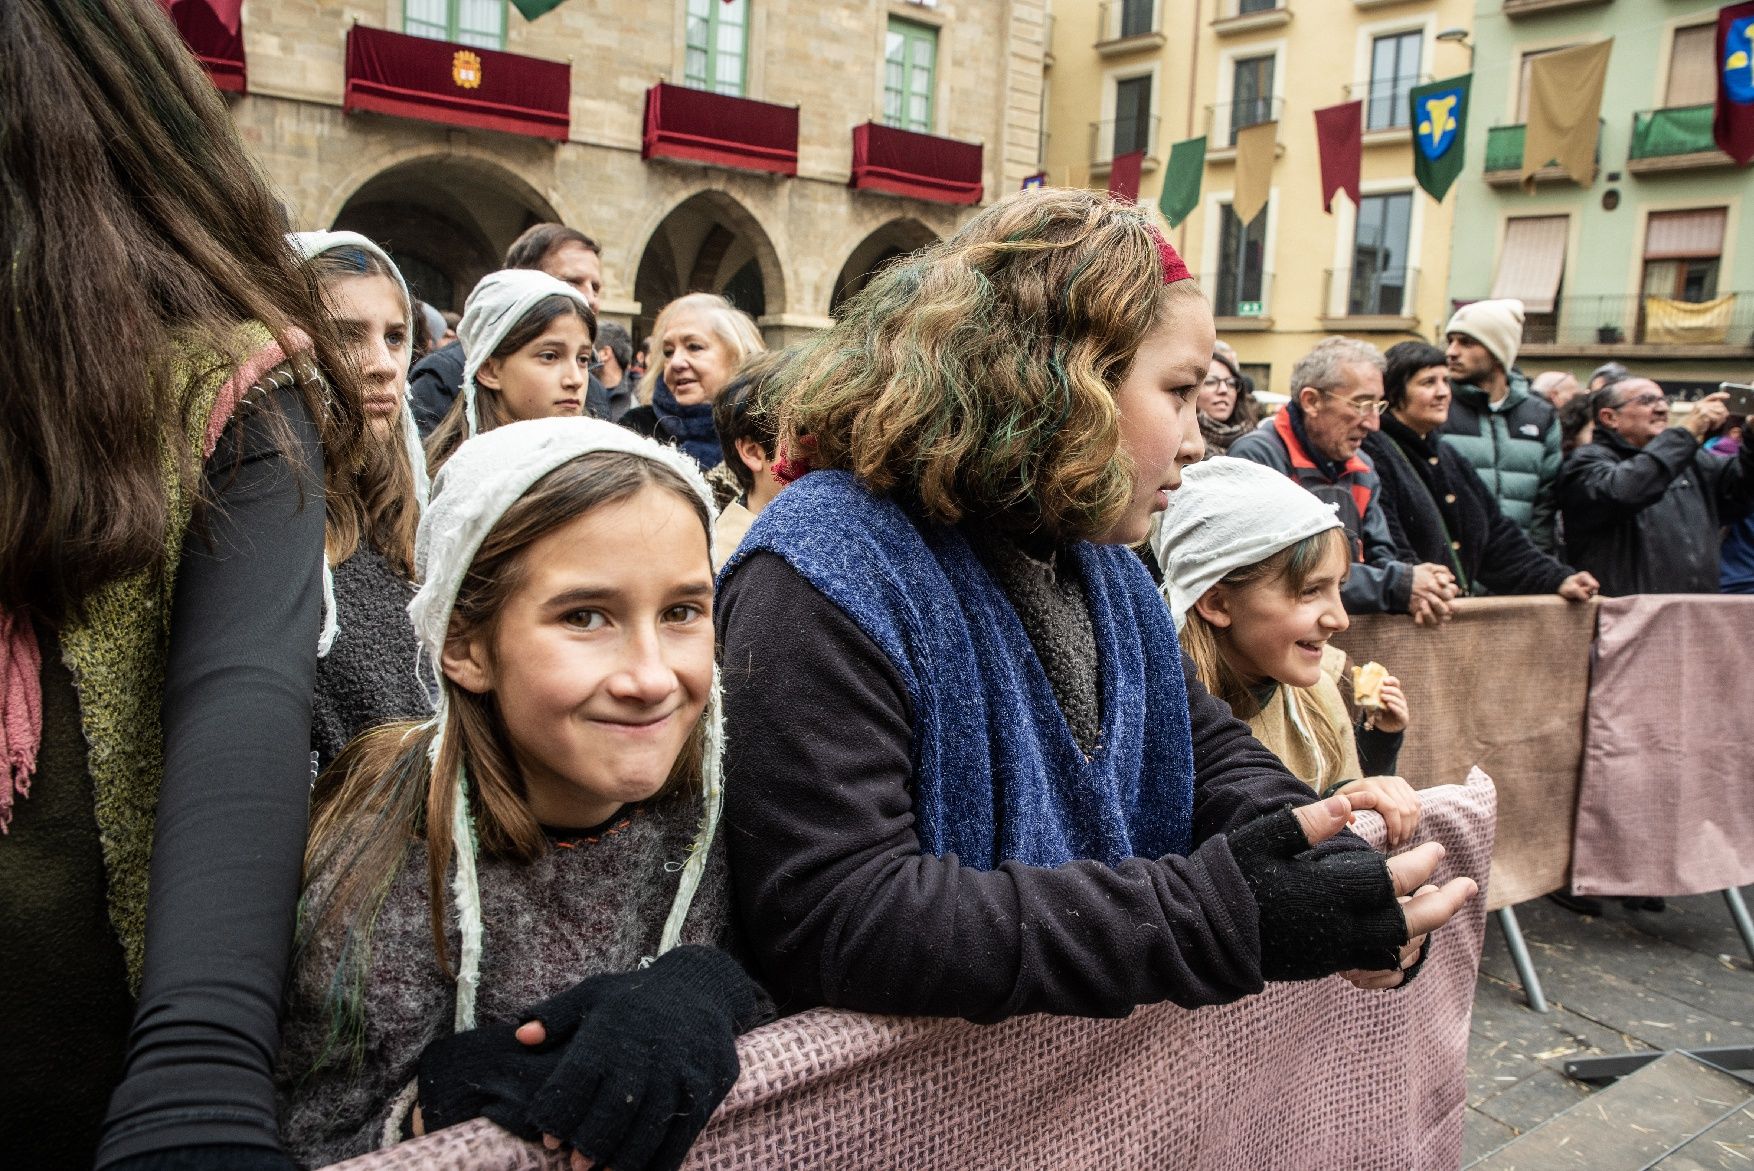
point(691, 427)
point(998, 774)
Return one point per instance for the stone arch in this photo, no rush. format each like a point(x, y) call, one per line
point(446, 220)
point(896, 238)
point(708, 243)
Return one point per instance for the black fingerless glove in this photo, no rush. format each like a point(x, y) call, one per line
point(222, 1157)
point(633, 1066)
point(1319, 913)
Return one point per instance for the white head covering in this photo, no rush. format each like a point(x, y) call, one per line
point(494, 309)
point(1227, 514)
point(486, 476)
point(309, 246)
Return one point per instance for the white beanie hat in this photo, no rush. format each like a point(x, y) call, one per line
point(309, 246)
point(499, 302)
point(1228, 514)
point(486, 476)
point(1497, 325)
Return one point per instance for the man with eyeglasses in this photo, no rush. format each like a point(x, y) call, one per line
point(1642, 502)
point(1508, 433)
point(1337, 400)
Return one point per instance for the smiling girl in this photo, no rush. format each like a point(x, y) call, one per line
point(547, 832)
point(701, 339)
point(1252, 569)
point(528, 342)
point(997, 792)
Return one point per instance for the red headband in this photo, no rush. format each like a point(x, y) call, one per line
point(1173, 268)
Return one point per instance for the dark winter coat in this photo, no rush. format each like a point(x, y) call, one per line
point(1515, 449)
point(437, 379)
point(1439, 511)
point(1646, 520)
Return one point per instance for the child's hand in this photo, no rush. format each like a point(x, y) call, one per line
point(1392, 798)
point(1394, 714)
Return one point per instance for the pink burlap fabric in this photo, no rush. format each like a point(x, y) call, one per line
point(1667, 801)
point(1316, 1075)
point(1502, 686)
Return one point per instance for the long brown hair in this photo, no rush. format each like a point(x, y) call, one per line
point(977, 377)
point(490, 408)
point(381, 510)
point(1290, 570)
point(138, 237)
point(381, 792)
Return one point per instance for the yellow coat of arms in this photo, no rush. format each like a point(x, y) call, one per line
point(466, 69)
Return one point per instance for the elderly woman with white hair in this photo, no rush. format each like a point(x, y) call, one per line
point(701, 339)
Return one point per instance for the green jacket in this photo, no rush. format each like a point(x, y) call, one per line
point(1515, 449)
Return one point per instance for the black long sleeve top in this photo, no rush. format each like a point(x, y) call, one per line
point(234, 804)
point(840, 906)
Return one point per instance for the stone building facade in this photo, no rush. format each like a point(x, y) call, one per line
point(447, 200)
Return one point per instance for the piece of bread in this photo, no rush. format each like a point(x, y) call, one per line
point(1367, 684)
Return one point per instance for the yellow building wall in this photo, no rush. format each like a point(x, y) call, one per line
point(1322, 50)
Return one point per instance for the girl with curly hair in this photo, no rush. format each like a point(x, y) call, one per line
point(966, 774)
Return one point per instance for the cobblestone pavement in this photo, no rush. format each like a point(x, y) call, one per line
point(1627, 981)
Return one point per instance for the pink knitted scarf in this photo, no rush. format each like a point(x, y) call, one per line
point(21, 660)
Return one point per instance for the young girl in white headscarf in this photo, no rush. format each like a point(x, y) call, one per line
point(366, 654)
point(486, 891)
point(1252, 569)
point(528, 343)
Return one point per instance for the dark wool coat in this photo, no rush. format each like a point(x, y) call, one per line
point(1439, 511)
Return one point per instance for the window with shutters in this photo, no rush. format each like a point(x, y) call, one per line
point(480, 23)
point(1394, 71)
point(1692, 78)
point(1242, 265)
point(718, 46)
point(1132, 115)
point(1682, 252)
point(1251, 93)
point(910, 70)
point(1379, 255)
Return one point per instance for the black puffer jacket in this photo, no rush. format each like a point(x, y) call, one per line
point(1645, 520)
point(1439, 511)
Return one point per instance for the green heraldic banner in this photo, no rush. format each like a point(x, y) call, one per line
point(1440, 125)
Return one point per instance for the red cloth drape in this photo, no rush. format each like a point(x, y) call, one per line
point(214, 32)
point(1340, 138)
point(458, 85)
point(726, 131)
point(1123, 176)
point(923, 166)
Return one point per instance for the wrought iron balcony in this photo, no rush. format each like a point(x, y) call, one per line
point(1225, 119)
point(1589, 325)
point(1363, 292)
point(1386, 104)
point(1124, 26)
point(1119, 136)
point(1674, 139)
point(1504, 156)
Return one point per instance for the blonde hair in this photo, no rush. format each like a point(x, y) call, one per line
point(1289, 570)
point(735, 328)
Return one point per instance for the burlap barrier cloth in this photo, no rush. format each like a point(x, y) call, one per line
point(1316, 1075)
point(1502, 686)
point(1667, 801)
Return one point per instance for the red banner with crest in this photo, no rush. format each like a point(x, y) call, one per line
point(458, 85)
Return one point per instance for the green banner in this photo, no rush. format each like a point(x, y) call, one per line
point(1181, 180)
point(1440, 126)
point(534, 8)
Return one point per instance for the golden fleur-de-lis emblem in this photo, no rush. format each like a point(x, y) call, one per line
point(466, 69)
point(1438, 117)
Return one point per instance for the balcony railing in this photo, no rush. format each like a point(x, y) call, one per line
point(1386, 104)
point(1673, 139)
point(1119, 136)
point(920, 166)
point(1516, 8)
point(1362, 291)
point(456, 85)
point(1118, 21)
point(1226, 118)
point(720, 130)
point(1240, 297)
point(1504, 155)
point(1628, 319)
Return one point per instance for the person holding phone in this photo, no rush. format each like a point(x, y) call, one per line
point(1643, 505)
